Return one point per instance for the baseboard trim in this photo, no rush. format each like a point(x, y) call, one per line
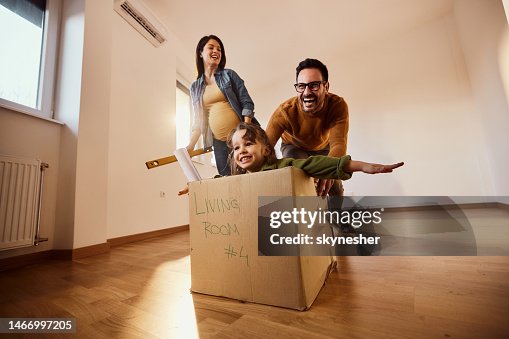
point(83, 252)
point(24, 260)
point(146, 235)
point(88, 251)
point(61, 254)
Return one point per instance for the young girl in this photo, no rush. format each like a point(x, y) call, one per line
point(252, 152)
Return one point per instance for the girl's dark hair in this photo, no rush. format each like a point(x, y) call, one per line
point(254, 133)
point(199, 48)
point(313, 63)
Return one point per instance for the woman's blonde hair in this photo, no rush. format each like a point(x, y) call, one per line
point(255, 134)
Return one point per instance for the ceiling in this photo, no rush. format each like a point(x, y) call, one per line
point(277, 34)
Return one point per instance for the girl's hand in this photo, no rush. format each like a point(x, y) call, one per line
point(379, 168)
point(184, 191)
point(247, 119)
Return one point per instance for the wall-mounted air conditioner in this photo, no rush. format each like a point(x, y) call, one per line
point(141, 18)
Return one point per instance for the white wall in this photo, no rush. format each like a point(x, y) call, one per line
point(142, 128)
point(90, 219)
point(411, 99)
point(483, 31)
point(67, 110)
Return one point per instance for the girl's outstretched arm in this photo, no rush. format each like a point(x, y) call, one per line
point(369, 168)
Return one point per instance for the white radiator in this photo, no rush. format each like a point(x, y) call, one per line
point(21, 182)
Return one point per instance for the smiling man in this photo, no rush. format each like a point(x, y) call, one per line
point(315, 122)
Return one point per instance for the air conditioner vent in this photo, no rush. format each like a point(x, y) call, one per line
point(140, 17)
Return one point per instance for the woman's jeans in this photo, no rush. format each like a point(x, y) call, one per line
point(221, 152)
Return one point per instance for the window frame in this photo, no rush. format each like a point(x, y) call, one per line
point(47, 70)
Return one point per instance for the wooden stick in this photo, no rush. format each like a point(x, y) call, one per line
point(168, 160)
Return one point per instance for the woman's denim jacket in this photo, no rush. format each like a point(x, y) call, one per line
point(233, 89)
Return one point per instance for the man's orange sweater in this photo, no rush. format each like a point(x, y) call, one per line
point(311, 132)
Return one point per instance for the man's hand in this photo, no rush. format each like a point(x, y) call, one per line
point(323, 187)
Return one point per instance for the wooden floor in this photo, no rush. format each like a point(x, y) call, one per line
point(141, 290)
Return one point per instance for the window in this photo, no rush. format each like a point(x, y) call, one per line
point(28, 36)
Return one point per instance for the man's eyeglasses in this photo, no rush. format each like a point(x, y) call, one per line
point(314, 86)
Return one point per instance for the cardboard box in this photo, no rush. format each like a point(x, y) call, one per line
point(224, 242)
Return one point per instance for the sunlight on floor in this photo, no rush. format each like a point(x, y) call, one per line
point(168, 302)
